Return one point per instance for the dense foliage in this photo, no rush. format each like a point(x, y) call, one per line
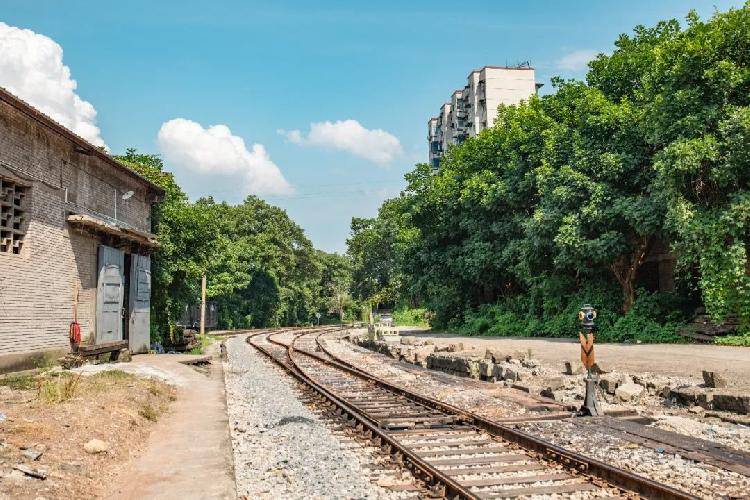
point(261, 269)
point(562, 201)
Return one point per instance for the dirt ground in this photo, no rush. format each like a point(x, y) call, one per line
point(47, 419)
point(682, 360)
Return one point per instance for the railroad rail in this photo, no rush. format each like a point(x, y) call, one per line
point(458, 453)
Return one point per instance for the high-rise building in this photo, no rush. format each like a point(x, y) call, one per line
point(474, 108)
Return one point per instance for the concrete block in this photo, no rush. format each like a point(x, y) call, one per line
point(688, 395)
point(732, 400)
point(713, 379)
point(498, 372)
point(628, 391)
point(573, 368)
point(486, 367)
point(609, 382)
point(495, 355)
point(457, 347)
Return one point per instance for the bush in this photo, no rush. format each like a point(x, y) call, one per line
point(654, 317)
point(734, 340)
point(410, 317)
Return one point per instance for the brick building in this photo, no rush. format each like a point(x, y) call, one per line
point(74, 235)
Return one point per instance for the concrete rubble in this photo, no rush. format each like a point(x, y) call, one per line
point(522, 370)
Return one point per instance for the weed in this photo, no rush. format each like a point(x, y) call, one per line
point(19, 382)
point(203, 342)
point(58, 389)
point(148, 412)
point(46, 361)
point(114, 375)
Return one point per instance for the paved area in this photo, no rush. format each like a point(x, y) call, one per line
point(189, 453)
point(666, 359)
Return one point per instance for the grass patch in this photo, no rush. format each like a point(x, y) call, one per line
point(113, 375)
point(24, 382)
point(148, 412)
point(203, 342)
point(58, 389)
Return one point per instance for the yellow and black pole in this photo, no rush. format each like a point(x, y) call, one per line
point(587, 317)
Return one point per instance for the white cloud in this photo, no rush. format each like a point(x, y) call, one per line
point(377, 146)
point(214, 150)
point(577, 60)
point(31, 67)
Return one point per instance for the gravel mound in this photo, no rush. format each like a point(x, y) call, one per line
point(281, 448)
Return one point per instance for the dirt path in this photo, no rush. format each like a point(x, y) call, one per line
point(665, 359)
point(188, 454)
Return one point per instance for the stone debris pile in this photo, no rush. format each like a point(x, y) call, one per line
point(562, 384)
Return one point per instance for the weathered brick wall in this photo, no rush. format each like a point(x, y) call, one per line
point(37, 286)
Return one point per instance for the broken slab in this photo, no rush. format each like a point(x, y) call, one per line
point(496, 355)
point(713, 379)
point(628, 391)
point(457, 347)
point(732, 400)
point(610, 382)
point(486, 368)
point(35, 473)
point(573, 368)
point(421, 354)
point(689, 395)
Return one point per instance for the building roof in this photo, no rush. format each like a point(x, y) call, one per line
point(82, 145)
point(518, 68)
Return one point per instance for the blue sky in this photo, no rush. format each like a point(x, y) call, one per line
point(261, 67)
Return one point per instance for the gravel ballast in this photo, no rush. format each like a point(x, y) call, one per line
point(281, 448)
point(703, 480)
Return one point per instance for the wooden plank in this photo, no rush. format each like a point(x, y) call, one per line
point(537, 490)
point(499, 481)
point(466, 451)
point(497, 459)
point(468, 442)
point(93, 350)
point(447, 419)
point(496, 469)
point(457, 430)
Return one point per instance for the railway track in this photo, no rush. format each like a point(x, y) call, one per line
point(457, 453)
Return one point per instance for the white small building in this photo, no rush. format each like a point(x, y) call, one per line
point(474, 108)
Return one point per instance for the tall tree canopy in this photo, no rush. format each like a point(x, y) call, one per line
point(565, 197)
point(261, 268)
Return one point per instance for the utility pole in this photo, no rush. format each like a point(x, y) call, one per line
point(203, 304)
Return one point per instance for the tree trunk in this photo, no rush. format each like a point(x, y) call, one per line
point(626, 269)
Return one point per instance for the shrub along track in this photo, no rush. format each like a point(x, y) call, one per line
point(458, 453)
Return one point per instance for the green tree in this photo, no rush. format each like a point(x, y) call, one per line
point(185, 233)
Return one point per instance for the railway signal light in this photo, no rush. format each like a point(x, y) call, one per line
point(587, 317)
